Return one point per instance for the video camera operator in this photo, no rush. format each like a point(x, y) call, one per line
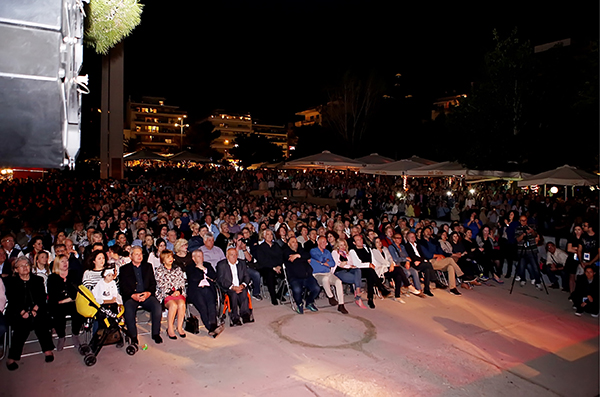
point(527, 253)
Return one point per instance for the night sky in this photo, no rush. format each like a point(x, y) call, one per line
point(274, 58)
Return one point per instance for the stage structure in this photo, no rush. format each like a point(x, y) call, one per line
point(41, 52)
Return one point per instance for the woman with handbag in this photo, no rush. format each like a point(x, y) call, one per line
point(202, 292)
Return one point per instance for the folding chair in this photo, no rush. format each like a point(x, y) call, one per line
point(287, 285)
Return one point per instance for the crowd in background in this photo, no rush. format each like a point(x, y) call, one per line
point(61, 231)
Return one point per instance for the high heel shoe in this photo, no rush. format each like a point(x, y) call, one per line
point(181, 334)
point(172, 337)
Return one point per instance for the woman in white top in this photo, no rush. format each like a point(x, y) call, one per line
point(154, 257)
point(41, 266)
point(382, 259)
point(95, 266)
point(345, 269)
point(386, 268)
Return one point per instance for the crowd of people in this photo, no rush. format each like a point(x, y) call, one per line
point(160, 242)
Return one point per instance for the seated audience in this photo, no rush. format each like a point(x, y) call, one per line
point(138, 289)
point(170, 291)
point(299, 273)
point(233, 278)
point(26, 312)
point(202, 292)
point(62, 291)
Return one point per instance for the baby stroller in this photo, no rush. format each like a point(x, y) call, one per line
point(110, 331)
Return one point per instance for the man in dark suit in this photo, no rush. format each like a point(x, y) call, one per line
point(233, 278)
point(418, 261)
point(138, 289)
point(300, 275)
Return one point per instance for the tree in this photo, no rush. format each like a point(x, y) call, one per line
point(255, 148)
point(536, 110)
point(498, 118)
point(199, 137)
point(351, 107)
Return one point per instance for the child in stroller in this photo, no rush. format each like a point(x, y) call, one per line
point(103, 306)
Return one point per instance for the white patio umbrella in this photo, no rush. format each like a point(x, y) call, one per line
point(324, 160)
point(564, 176)
point(446, 168)
point(374, 158)
point(396, 168)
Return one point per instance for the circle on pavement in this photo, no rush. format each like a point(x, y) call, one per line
point(325, 330)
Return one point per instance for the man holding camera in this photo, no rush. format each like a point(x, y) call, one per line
point(527, 253)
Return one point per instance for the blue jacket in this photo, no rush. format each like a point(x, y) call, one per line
point(318, 259)
point(431, 248)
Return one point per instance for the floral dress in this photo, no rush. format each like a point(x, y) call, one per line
point(169, 281)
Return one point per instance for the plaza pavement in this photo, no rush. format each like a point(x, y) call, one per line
point(484, 343)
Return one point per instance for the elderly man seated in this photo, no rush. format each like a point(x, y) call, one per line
point(233, 278)
point(323, 270)
point(138, 289)
point(212, 253)
point(300, 276)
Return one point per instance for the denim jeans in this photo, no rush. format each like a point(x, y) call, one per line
point(412, 272)
point(529, 260)
point(255, 277)
point(312, 287)
point(350, 276)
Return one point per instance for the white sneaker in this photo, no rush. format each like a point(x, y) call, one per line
point(578, 314)
point(413, 290)
point(523, 283)
point(517, 278)
point(532, 282)
point(538, 287)
point(595, 315)
point(399, 300)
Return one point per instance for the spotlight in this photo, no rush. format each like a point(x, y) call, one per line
point(472, 191)
point(449, 193)
point(553, 190)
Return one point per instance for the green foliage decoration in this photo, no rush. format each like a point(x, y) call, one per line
point(109, 21)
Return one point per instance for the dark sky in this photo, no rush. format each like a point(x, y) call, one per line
point(274, 58)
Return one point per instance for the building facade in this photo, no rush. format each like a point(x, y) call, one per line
point(154, 125)
point(229, 125)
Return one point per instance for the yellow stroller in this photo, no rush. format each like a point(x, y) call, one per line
point(110, 327)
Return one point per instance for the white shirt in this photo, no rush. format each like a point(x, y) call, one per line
point(104, 291)
point(414, 247)
point(559, 257)
point(235, 281)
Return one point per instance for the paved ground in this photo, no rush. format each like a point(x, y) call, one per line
point(485, 343)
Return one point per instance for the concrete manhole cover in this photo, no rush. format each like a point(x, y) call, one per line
point(325, 330)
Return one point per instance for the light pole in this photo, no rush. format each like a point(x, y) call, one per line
point(182, 126)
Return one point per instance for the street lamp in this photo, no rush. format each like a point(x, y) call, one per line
point(182, 126)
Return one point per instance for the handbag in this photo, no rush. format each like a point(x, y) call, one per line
point(192, 325)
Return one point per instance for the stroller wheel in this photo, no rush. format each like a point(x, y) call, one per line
point(131, 349)
point(90, 359)
point(84, 349)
